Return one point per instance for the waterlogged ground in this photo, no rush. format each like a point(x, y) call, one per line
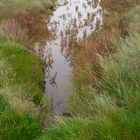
point(72, 20)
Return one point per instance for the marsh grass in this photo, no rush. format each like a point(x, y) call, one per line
point(10, 29)
point(35, 27)
point(110, 113)
point(23, 21)
point(90, 69)
point(119, 70)
point(10, 8)
point(121, 77)
point(20, 93)
point(95, 129)
point(119, 5)
point(26, 67)
point(5, 72)
point(14, 126)
point(105, 104)
point(21, 72)
point(26, 29)
point(106, 107)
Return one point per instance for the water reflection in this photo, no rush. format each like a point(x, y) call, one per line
point(71, 21)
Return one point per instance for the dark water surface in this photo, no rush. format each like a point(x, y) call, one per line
point(72, 19)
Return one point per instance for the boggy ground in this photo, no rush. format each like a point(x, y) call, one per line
point(23, 106)
point(105, 103)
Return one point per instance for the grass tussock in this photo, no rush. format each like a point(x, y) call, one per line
point(91, 53)
point(35, 26)
point(26, 67)
point(21, 89)
point(25, 29)
point(10, 29)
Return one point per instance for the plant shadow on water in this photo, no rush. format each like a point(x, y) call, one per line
point(70, 22)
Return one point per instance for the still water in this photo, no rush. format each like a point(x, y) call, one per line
point(71, 20)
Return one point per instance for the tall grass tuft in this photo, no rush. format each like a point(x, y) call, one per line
point(10, 29)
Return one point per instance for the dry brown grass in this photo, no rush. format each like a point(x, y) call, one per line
point(12, 8)
point(88, 60)
point(118, 5)
point(24, 28)
point(35, 26)
point(10, 29)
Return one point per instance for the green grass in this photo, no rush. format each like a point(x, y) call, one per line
point(126, 127)
point(21, 92)
point(21, 71)
point(17, 127)
point(27, 68)
point(18, 116)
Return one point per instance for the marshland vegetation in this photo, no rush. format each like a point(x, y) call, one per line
point(105, 100)
point(106, 80)
point(21, 74)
